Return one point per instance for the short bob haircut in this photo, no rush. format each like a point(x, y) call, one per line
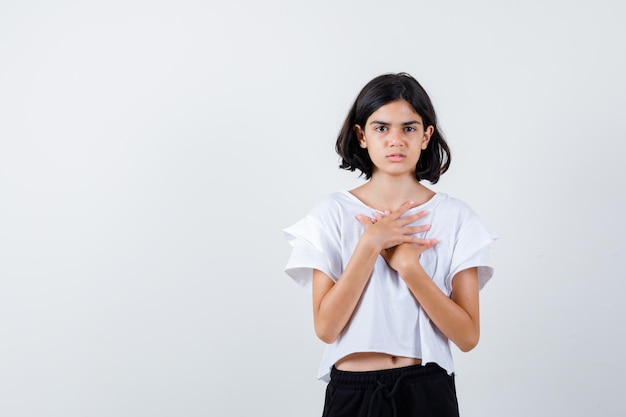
point(433, 161)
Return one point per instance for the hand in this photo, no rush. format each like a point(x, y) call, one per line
point(389, 229)
point(405, 256)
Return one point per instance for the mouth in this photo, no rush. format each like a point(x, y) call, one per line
point(396, 157)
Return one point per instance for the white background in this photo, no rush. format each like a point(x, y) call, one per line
point(151, 152)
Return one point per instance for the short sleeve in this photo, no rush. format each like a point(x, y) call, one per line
point(471, 249)
point(313, 247)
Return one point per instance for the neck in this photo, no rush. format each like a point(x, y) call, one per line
point(388, 193)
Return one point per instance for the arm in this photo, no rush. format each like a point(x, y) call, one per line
point(456, 316)
point(334, 303)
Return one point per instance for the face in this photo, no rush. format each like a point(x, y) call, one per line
point(394, 136)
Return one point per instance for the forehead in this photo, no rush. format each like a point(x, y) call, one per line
point(395, 111)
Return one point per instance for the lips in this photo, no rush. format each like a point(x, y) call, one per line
point(396, 157)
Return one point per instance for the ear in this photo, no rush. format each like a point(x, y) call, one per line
point(360, 136)
point(428, 132)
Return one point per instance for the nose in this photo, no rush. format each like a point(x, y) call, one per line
point(395, 137)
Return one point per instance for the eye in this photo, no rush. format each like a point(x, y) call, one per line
point(409, 129)
point(380, 128)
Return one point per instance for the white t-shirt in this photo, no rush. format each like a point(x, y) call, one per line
point(388, 318)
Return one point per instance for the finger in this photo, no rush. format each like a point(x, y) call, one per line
point(413, 230)
point(429, 243)
point(364, 220)
point(412, 218)
point(397, 213)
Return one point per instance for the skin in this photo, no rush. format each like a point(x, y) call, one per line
point(394, 136)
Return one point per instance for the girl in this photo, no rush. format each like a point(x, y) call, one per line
point(394, 268)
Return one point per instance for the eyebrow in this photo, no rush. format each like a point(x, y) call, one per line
point(378, 122)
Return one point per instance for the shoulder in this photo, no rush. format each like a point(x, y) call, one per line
point(456, 215)
point(336, 211)
point(453, 207)
point(460, 218)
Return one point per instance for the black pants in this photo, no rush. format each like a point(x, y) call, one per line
point(402, 392)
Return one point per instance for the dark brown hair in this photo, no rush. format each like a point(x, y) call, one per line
point(433, 161)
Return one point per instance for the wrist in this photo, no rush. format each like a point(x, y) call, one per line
point(413, 270)
point(369, 245)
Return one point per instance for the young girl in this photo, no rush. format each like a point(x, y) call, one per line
point(394, 268)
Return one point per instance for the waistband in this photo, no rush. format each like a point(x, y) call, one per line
point(373, 379)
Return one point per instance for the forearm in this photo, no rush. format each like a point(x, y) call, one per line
point(337, 305)
point(457, 319)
